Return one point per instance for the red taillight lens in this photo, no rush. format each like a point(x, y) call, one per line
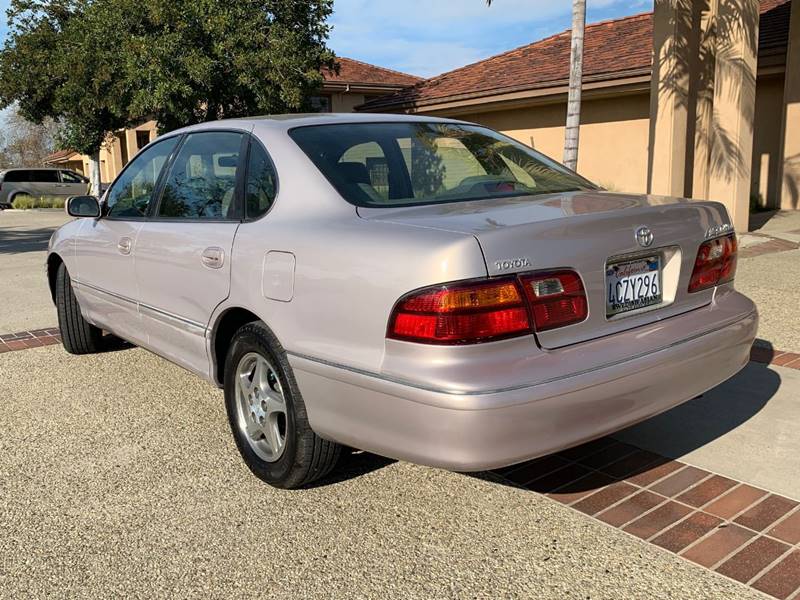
point(481, 311)
point(556, 298)
point(715, 263)
point(463, 313)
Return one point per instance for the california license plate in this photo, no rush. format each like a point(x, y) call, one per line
point(633, 284)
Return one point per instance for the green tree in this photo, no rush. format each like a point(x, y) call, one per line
point(99, 65)
point(59, 62)
point(190, 61)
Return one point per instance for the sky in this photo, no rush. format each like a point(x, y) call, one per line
point(428, 37)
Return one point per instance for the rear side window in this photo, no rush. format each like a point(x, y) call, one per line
point(412, 163)
point(43, 176)
point(261, 182)
point(17, 176)
point(70, 177)
point(202, 179)
point(131, 193)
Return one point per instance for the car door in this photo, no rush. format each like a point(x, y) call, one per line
point(183, 253)
point(72, 184)
point(106, 247)
point(45, 182)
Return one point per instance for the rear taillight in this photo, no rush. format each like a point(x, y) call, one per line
point(463, 313)
point(715, 263)
point(556, 298)
point(491, 309)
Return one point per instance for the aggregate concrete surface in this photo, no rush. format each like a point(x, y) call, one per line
point(119, 477)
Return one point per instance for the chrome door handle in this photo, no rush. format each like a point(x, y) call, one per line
point(213, 257)
point(124, 245)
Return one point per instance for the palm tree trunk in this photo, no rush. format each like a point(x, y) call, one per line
point(575, 76)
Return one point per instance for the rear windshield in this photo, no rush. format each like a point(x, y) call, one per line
point(399, 164)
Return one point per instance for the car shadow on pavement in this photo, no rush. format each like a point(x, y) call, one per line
point(112, 343)
point(17, 241)
point(642, 448)
point(353, 464)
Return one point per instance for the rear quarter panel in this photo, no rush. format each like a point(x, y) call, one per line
point(348, 273)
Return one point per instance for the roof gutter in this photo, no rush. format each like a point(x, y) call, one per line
point(515, 93)
point(770, 63)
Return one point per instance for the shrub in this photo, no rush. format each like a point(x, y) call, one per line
point(25, 202)
point(56, 202)
point(22, 202)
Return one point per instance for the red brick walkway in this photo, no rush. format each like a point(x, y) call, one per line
point(29, 339)
point(771, 246)
point(737, 530)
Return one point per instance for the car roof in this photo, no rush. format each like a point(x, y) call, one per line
point(288, 121)
point(34, 169)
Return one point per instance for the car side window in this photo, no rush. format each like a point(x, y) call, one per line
point(202, 179)
point(132, 191)
point(70, 177)
point(261, 182)
point(17, 176)
point(44, 176)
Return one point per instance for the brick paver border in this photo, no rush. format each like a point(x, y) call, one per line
point(23, 340)
point(734, 529)
point(771, 246)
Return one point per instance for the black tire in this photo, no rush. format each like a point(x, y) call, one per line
point(306, 457)
point(77, 335)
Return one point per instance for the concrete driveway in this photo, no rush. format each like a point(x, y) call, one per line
point(119, 477)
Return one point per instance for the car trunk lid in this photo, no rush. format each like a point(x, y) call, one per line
point(584, 231)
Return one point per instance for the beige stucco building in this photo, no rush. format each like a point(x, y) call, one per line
point(352, 84)
point(114, 154)
point(716, 113)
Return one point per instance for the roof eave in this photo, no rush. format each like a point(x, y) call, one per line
point(357, 86)
point(546, 88)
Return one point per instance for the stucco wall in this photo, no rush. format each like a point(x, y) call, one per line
point(613, 139)
point(344, 102)
point(765, 184)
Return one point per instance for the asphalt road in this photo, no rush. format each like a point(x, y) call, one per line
point(24, 298)
point(118, 477)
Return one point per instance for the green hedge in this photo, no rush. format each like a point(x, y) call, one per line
point(25, 202)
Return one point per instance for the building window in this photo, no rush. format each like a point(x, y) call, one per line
point(142, 139)
point(321, 104)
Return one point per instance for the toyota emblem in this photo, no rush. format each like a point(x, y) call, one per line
point(644, 236)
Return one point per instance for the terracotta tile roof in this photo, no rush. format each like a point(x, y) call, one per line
point(773, 26)
point(356, 72)
point(59, 155)
point(612, 49)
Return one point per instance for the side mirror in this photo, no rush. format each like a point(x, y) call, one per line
point(83, 206)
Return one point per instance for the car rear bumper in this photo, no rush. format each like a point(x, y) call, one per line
point(476, 430)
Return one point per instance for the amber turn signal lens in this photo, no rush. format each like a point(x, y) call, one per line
point(463, 313)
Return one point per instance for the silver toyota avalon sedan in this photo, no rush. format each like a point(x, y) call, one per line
point(425, 289)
